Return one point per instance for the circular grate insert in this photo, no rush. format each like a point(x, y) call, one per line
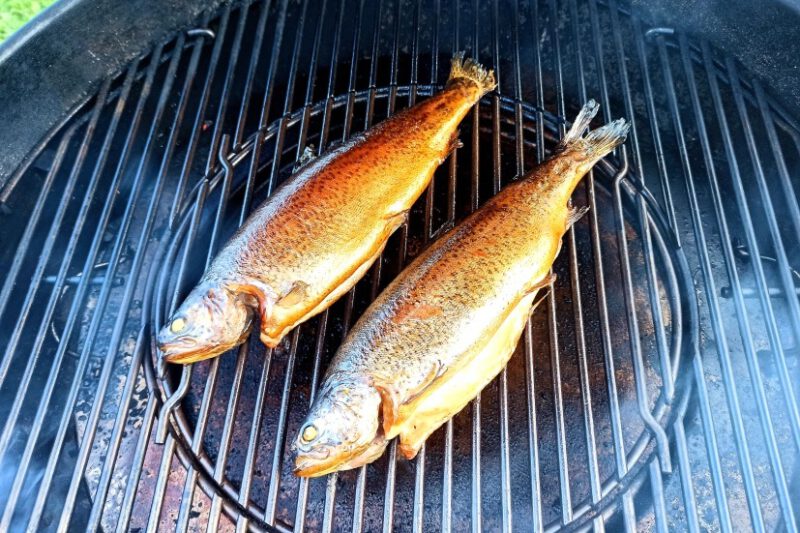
point(584, 403)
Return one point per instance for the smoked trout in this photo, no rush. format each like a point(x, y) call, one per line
point(447, 325)
point(312, 240)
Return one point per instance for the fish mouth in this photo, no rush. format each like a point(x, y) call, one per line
point(308, 468)
point(185, 352)
point(308, 465)
point(315, 464)
point(186, 358)
point(318, 461)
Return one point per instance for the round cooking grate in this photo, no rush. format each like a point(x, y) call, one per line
point(593, 383)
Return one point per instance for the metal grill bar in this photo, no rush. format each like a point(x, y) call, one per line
point(537, 520)
point(755, 373)
point(666, 369)
point(660, 435)
point(783, 263)
point(555, 353)
point(300, 513)
point(255, 429)
point(119, 324)
point(687, 489)
point(190, 481)
point(36, 214)
point(37, 426)
point(609, 476)
point(402, 259)
point(591, 442)
point(681, 445)
point(199, 119)
point(50, 240)
point(616, 417)
point(769, 123)
point(42, 409)
point(139, 454)
point(16, 486)
point(116, 439)
point(699, 234)
point(26, 238)
point(474, 194)
point(191, 477)
point(167, 458)
point(722, 348)
point(505, 468)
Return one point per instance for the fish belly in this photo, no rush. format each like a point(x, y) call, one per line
point(273, 331)
point(454, 390)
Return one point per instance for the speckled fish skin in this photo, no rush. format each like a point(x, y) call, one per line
point(449, 322)
point(320, 232)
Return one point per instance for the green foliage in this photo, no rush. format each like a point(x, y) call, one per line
point(15, 13)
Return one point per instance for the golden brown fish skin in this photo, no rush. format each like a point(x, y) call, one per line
point(337, 214)
point(320, 232)
point(428, 319)
point(445, 308)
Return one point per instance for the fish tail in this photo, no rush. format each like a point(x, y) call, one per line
point(473, 71)
point(598, 142)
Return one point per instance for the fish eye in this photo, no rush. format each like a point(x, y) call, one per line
point(309, 433)
point(177, 325)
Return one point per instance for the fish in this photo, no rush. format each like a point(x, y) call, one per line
point(448, 323)
point(320, 232)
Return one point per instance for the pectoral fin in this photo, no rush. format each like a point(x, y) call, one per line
point(544, 282)
point(294, 295)
point(436, 371)
point(455, 142)
point(538, 302)
point(392, 405)
point(395, 220)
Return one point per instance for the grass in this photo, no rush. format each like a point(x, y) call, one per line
point(15, 13)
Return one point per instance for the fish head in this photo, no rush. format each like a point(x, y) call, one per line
point(341, 431)
point(213, 319)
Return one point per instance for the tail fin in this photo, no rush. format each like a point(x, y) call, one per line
point(598, 142)
point(473, 71)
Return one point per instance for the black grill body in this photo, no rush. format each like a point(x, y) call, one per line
point(655, 389)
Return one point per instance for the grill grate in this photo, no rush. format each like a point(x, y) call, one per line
point(639, 422)
point(210, 400)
